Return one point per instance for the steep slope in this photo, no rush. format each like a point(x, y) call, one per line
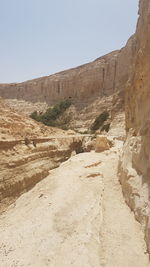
point(135, 162)
point(101, 77)
point(76, 219)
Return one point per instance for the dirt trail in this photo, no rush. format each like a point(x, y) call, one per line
point(76, 217)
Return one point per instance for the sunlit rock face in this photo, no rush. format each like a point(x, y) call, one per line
point(135, 163)
point(102, 77)
point(93, 88)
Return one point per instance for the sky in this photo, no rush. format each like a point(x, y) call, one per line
point(42, 37)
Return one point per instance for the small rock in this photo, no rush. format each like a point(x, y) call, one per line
point(102, 143)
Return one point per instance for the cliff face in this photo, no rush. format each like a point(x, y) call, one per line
point(102, 77)
point(138, 90)
point(93, 88)
point(135, 162)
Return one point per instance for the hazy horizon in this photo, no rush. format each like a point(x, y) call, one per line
point(39, 38)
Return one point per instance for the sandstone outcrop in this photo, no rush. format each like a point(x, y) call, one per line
point(75, 217)
point(102, 144)
point(28, 150)
point(25, 164)
point(135, 161)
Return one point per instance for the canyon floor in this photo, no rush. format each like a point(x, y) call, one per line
point(75, 217)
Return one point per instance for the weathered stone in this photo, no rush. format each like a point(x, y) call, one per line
point(135, 161)
point(106, 76)
point(28, 152)
point(102, 144)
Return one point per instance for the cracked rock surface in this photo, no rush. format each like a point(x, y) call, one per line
point(76, 217)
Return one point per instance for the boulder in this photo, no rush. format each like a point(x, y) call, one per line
point(102, 143)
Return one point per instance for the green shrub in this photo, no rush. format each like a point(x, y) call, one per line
point(49, 117)
point(106, 127)
point(99, 121)
point(34, 115)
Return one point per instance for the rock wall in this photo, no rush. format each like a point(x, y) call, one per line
point(22, 165)
point(102, 77)
point(135, 163)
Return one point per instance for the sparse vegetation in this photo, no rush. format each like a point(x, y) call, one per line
point(35, 116)
point(105, 127)
point(99, 121)
point(50, 116)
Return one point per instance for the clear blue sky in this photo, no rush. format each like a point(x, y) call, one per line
point(41, 37)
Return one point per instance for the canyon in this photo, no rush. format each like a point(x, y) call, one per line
point(92, 88)
point(73, 197)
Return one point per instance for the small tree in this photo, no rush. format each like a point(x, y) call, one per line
point(35, 116)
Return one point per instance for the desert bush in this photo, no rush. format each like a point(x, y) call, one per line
point(50, 116)
point(105, 127)
point(99, 121)
point(35, 116)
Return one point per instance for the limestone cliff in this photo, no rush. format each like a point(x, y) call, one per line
point(135, 163)
point(93, 88)
point(102, 77)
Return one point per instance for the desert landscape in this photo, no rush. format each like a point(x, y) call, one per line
point(75, 162)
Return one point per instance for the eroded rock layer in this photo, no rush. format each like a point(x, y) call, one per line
point(28, 150)
point(76, 217)
point(135, 162)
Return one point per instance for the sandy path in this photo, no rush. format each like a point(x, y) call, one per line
point(76, 217)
